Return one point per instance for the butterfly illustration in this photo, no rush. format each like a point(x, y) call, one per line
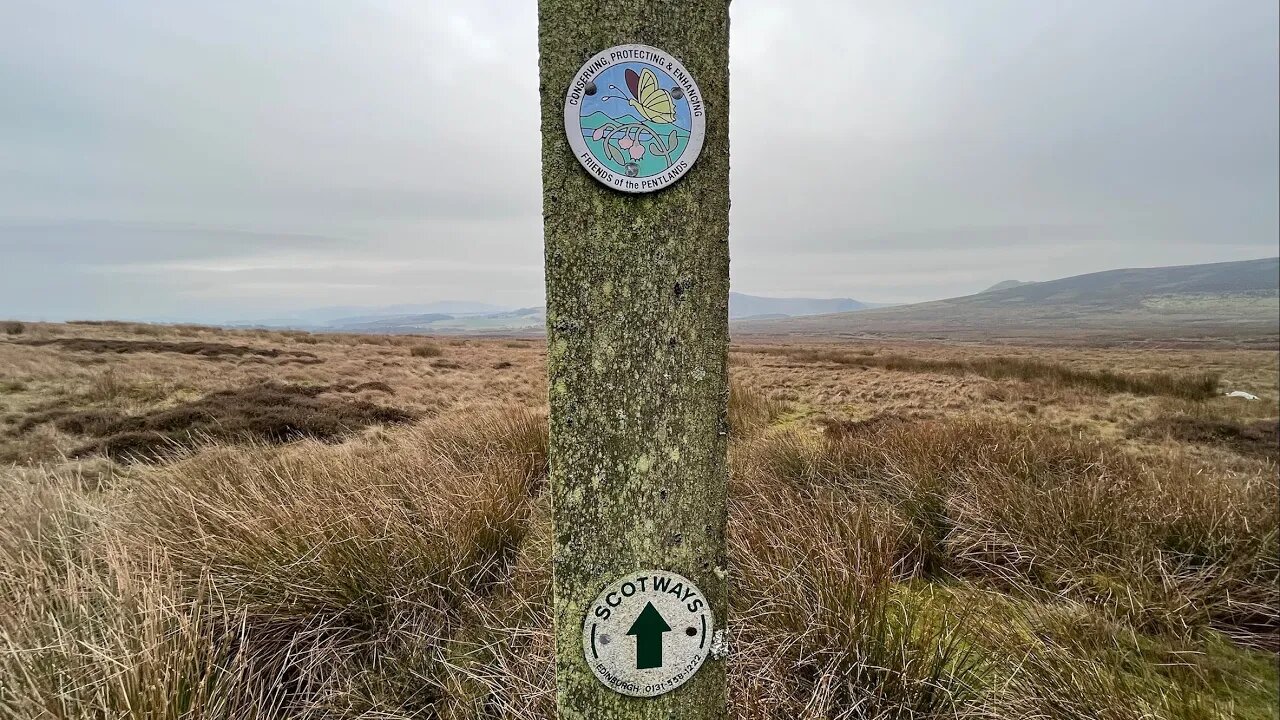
point(651, 101)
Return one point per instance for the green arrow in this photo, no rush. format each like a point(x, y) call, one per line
point(648, 629)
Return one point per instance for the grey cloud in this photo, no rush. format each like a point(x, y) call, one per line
point(83, 243)
point(217, 159)
point(1150, 122)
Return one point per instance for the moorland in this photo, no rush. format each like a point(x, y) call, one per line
point(209, 523)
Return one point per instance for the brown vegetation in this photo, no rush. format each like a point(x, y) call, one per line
point(201, 349)
point(1194, 386)
point(1032, 509)
point(268, 412)
point(1258, 437)
point(426, 350)
point(904, 543)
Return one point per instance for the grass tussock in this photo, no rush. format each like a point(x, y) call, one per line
point(751, 410)
point(353, 566)
point(83, 628)
point(826, 624)
point(1191, 386)
point(210, 350)
point(426, 350)
point(267, 412)
point(310, 581)
point(1042, 514)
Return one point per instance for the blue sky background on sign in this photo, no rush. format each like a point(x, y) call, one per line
point(324, 151)
point(617, 108)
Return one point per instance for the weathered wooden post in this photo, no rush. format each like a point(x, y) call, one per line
point(635, 175)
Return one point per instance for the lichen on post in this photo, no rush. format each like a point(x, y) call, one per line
point(637, 322)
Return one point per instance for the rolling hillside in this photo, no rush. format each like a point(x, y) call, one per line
point(478, 318)
point(1232, 301)
point(742, 306)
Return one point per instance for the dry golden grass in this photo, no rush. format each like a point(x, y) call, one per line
point(905, 542)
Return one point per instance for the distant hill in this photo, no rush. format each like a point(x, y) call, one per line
point(343, 315)
point(1228, 301)
point(519, 322)
point(532, 319)
point(748, 306)
point(1005, 285)
point(375, 319)
point(463, 318)
point(379, 323)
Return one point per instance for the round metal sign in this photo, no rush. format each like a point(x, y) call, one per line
point(647, 633)
point(634, 118)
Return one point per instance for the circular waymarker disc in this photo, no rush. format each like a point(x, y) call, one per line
point(635, 118)
point(647, 633)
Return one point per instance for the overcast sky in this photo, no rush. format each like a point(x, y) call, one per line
point(237, 159)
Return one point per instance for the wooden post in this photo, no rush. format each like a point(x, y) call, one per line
point(637, 323)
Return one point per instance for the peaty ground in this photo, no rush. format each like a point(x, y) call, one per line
point(202, 523)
